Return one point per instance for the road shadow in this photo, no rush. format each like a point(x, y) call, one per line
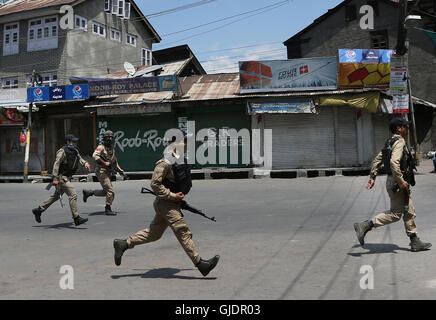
point(101, 213)
point(162, 273)
point(374, 248)
point(66, 225)
point(97, 213)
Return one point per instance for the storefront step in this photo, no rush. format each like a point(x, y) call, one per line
point(211, 173)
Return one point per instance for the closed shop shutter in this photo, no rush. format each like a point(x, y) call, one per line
point(302, 140)
point(216, 118)
point(347, 137)
point(138, 139)
point(381, 131)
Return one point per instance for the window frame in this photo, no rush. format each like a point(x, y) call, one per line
point(45, 33)
point(99, 25)
point(132, 36)
point(81, 19)
point(11, 47)
point(51, 82)
point(117, 31)
point(375, 38)
point(144, 59)
point(10, 86)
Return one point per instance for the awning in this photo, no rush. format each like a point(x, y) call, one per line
point(368, 101)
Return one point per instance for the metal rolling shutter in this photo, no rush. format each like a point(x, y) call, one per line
point(302, 140)
point(381, 131)
point(347, 137)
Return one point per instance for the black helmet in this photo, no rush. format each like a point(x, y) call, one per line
point(108, 138)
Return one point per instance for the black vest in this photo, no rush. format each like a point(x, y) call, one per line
point(69, 166)
point(387, 154)
point(182, 178)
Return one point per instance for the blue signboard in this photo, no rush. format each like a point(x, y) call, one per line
point(77, 92)
point(365, 55)
point(132, 85)
point(58, 93)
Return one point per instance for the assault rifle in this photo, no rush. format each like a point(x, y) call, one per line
point(114, 168)
point(183, 205)
point(409, 177)
point(58, 190)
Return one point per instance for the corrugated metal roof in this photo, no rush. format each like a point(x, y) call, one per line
point(25, 5)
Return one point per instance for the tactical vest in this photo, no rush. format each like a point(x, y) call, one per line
point(69, 166)
point(182, 178)
point(387, 154)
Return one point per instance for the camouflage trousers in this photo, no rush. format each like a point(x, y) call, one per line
point(167, 214)
point(66, 187)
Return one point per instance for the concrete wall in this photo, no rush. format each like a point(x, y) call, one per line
point(79, 53)
point(335, 33)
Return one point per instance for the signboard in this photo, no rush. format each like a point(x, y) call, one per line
point(288, 75)
point(364, 68)
point(401, 103)
point(11, 117)
point(286, 106)
point(398, 83)
point(58, 93)
point(122, 109)
point(132, 85)
point(13, 97)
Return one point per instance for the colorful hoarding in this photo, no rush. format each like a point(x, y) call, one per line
point(364, 68)
point(288, 75)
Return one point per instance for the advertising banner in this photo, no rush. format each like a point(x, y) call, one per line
point(286, 106)
point(288, 75)
point(11, 117)
point(58, 93)
point(364, 68)
point(132, 85)
point(401, 103)
point(398, 83)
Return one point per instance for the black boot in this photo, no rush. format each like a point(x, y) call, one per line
point(417, 245)
point(79, 220)
point(37, 213)
point(87, 194)
point(108, 211)
point(120, 246)
point(361, 229)
point(206, 266)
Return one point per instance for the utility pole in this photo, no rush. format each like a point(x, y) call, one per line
point(29, 124)
point(401, 49)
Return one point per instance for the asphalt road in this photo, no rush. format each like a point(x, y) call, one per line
point(277, 238)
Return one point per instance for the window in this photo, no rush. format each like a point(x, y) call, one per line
point(120, 12)
point(114, 6)
point(107, 5)
point(379, 39)
point(115, 35)
point(80, 23)
point(127, 10)
point(350, 13)
point(42, 34)
point(10, 38)
point(9, 83)
point(99, 29)
point(48, 80)
point(131, 39)
point(146, 57)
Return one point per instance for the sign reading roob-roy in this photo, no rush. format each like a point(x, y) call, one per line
point(132, 85)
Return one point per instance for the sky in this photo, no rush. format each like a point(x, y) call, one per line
point(260, 26)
